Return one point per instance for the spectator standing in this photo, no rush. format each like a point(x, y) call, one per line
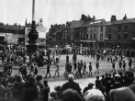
point(71, 84)
point(45, 91)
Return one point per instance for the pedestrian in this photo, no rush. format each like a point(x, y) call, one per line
point(79, 69)
point(90, 69)
point(97, 67)
point(130, 63)
point(35, 69)
point(57, 68)
point(124, 65)
point(48, 70)
point(113, 66)
point(84, 68)
point(120, 64)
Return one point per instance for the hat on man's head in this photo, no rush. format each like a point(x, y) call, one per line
point(94, 95)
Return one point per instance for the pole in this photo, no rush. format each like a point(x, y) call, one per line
point(33, 10)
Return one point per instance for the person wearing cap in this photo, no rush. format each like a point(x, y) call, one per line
point(71, 84)
point(94, 95)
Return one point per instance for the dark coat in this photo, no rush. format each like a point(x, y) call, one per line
point(72, 85)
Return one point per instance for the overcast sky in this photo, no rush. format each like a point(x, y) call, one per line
point(60, 11)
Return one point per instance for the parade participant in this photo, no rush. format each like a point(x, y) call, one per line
point(57, 68)
point(90, 69)
point(48, 69)
point(130, 63)
point(74, 60)
point(97, 66)
point(124, 65)
point(35, 69)
point(23, 70)
point(84, 68)
point(120, 64)
point(113, 66)
point(80, 68)
point(32, 70)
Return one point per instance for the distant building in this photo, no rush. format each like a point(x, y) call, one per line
point(96, 33)
point(11, 34)
point(87, 33)
point(78, 31)
point(120, 33)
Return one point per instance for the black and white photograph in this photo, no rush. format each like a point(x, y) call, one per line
point(67, 50)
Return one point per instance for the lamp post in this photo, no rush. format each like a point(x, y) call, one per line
point(33, 34)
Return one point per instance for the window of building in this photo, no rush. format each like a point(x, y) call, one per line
point(125, 36)
point(101, 36)
point(91, 36)
point(125, 28)
point(87, 36)
point(119, 28)
point(119, 37)
point(101, 28)
point(2, 39)
point(109, 30)
point(109, 36)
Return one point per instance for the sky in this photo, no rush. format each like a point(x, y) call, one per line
point(60, 11)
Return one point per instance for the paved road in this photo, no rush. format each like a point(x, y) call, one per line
point(104, 66)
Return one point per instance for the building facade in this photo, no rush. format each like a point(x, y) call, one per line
point(120, 33)
point(96, 33)
point(11, 34)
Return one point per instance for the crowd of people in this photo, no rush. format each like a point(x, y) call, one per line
point(28, 85)
point(36, 88)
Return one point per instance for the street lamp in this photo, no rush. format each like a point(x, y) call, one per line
point(33, 34)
